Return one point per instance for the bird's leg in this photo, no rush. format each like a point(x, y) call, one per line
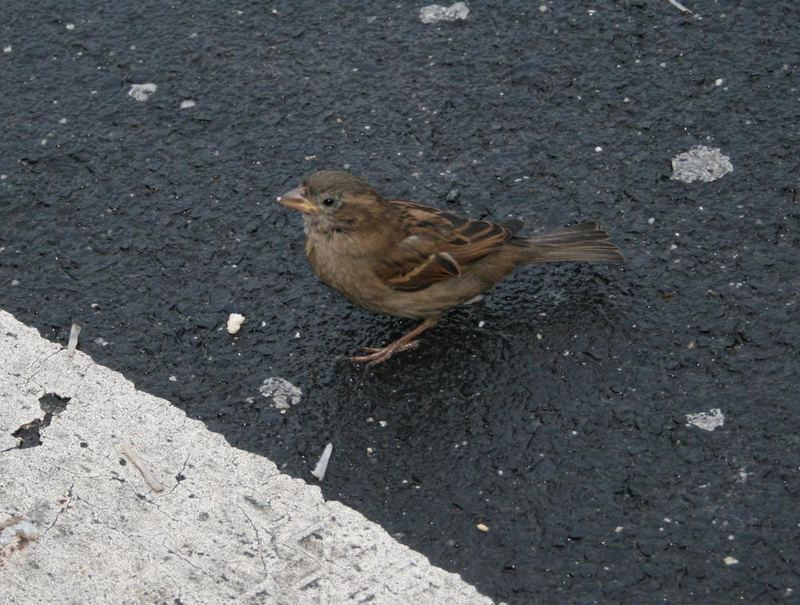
point(405, 342)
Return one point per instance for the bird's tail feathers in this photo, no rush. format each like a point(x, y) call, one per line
point(581, 242)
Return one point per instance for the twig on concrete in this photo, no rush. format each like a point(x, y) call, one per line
point(154, 483)
point(74, 332)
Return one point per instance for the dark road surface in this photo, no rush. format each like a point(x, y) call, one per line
point(560, 422)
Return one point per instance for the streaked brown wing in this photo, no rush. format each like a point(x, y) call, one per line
point(438, 244)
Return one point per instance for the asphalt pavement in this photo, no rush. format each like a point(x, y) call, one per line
point(585, 434)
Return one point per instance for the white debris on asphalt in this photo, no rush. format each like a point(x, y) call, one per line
point(187, 104)
point(680, 6)
point(142, 92)
point(700, 163)
point(730, 560)
point(72, 344)
point(282, 392)
point(708, 421)
point(322, 465)
point(434, 13)
point(235, 321)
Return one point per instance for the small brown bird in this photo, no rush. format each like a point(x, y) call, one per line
point(405, 259)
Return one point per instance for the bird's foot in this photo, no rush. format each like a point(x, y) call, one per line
point(376, 356)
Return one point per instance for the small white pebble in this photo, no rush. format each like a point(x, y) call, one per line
point(730, 560)
point(481, 323)
point(598, 149)
point(543, 8)
point(187, 104)
point(718, 82)
point(383, 423)
point(14, 282)
point(651, 220)
point(70, 26)
point(7, 49)
point(235, 321)
point(173, 379)
point(618, 529)
point(482, 527)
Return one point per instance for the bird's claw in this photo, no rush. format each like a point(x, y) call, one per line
point(375, 356)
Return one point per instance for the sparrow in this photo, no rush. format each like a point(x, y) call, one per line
point(405, 259)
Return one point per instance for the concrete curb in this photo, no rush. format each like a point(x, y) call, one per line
point(81, 523)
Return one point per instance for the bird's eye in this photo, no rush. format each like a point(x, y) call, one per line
point(329, 201)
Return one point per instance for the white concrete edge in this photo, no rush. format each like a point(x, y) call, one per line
point(78, 525)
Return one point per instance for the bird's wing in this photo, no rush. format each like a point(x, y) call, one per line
point(437, 246)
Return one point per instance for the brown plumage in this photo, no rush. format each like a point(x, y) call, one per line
point(408, 260)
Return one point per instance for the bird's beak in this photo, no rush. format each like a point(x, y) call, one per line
point(296, 199)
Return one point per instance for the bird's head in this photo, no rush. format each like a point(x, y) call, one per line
point(336, 202)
